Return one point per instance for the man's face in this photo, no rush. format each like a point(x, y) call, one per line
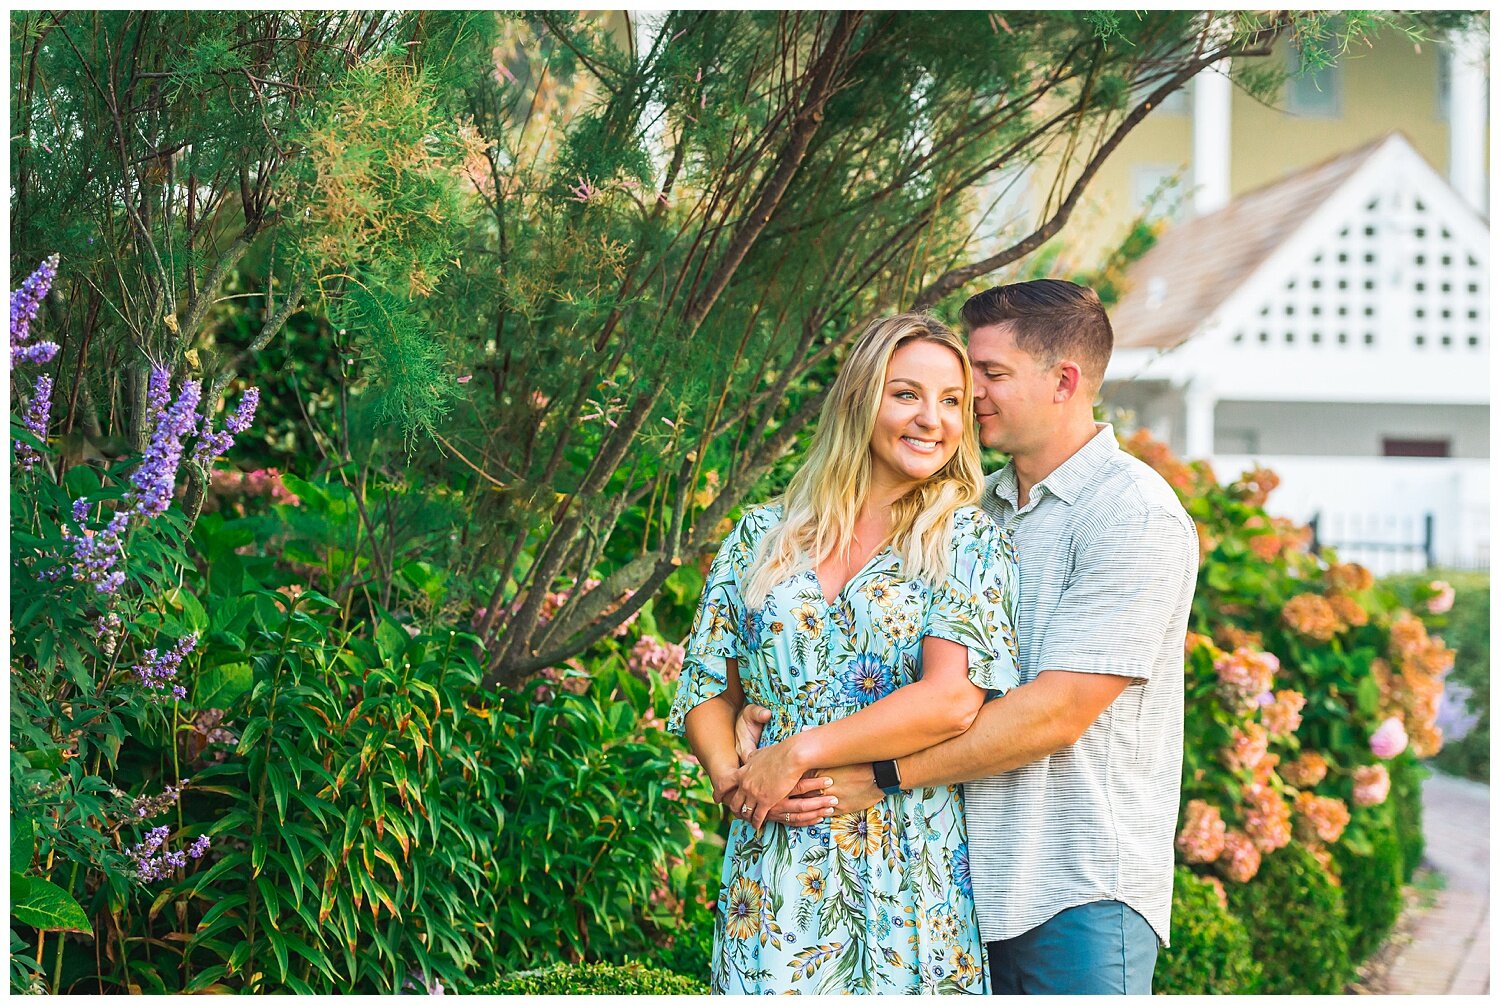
point(1014, 394)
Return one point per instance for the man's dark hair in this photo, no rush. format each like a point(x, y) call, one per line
point(1051, 319)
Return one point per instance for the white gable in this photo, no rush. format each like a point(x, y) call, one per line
point(1380, 295)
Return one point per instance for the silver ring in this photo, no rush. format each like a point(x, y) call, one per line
point(746, 809)
point(787, 817)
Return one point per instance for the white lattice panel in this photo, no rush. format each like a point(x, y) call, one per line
point(1394, 277)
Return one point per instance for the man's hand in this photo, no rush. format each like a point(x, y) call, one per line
point(854, 787)
point(748, 726)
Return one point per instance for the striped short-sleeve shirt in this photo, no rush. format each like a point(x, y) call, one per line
point(1108, 562)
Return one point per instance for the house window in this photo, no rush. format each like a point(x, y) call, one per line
point(1391, 446)
point(1313, 94)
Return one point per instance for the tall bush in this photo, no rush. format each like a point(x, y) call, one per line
point(1307, 689)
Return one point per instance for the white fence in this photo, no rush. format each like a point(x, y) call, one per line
point(1383, 503)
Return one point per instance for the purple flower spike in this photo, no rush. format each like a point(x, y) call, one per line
point(245, 413)
point(41, 352)
point(198, 847)
point(158, 393)
point(38, 411)
point(153, 482)
point(24, 304)
point(214, 444)
point(155, 671)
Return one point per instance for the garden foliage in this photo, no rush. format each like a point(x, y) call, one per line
point(385, 721)
point(1310, 695)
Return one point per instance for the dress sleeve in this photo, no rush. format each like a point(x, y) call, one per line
point(976, 605)
point(716, 634)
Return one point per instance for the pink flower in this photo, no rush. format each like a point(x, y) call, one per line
point(1389, 740)
point(1268, 818)
point(1443, 602)
point(1372, 783)
point(466, 378)
point(651, 653)
point(1247, 748)
point(1245, 675)
point(1202, 835)
point(584, 190)
point(1283, 715)
point(1218, 885)
point(1241, 859)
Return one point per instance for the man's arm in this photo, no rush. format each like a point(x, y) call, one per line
point(1027, 724)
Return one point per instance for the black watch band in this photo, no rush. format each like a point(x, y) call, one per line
point(887, 777)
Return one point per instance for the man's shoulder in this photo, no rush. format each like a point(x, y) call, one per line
point(1129, 490)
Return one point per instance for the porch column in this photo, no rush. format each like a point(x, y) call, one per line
point(1211, 94)
point(1468, 132)
point(1198, 425)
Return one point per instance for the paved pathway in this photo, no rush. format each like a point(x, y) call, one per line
point(1449, 952)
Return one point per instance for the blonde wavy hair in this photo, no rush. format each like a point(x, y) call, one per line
point(823, 500)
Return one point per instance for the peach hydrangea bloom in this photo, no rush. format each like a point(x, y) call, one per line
point(1349, 577)
point(1247, 747)
point(1241, 859)
point(1284, 715)
point(1348, 610)
point(1307, 770)
point(1310, 614)
point(1372, 784)
point(1321, 818)
point(1268, 818)
point(1245, 675)
point(1202, 836)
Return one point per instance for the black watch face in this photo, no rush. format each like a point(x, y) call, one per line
point(886, 776)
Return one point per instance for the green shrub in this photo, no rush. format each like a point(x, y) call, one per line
point(1210, 951)
point(593, 978)
point(1293, 913)
point(1370, 874)
point(1406, 810)
point(1466, 630)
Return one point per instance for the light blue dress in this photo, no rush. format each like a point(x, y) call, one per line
point(876, 902)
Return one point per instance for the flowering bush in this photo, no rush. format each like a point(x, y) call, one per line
point(1304, 681)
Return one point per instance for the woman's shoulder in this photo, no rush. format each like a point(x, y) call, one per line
point(975, 532)
point(971, 521)
point(754, 522)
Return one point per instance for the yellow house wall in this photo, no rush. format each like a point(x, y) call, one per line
point(1387, 86)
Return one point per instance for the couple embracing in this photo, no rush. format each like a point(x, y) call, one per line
point(946, 710)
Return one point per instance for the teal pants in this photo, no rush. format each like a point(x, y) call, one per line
point(1103, 948)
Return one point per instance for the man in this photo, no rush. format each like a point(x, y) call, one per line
point(1071, 779)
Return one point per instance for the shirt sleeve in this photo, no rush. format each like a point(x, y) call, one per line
point(715, 637)
point(974, 607)
point(1130, 579)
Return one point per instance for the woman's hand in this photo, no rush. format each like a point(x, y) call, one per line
point(769, 776)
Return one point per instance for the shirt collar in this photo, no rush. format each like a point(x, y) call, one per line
point(1069, 478)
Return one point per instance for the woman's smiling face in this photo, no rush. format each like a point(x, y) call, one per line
point(921, 417)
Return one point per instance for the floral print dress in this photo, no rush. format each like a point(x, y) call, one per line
point(877, 902)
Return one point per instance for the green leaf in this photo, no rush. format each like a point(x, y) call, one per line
point(22, 843)
point(220, 686)
point(46, 906)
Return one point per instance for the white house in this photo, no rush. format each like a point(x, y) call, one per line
point(1334, 327)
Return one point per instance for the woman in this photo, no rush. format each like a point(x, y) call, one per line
point(868, 608)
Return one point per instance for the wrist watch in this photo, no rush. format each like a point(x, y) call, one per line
point(887, 777)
